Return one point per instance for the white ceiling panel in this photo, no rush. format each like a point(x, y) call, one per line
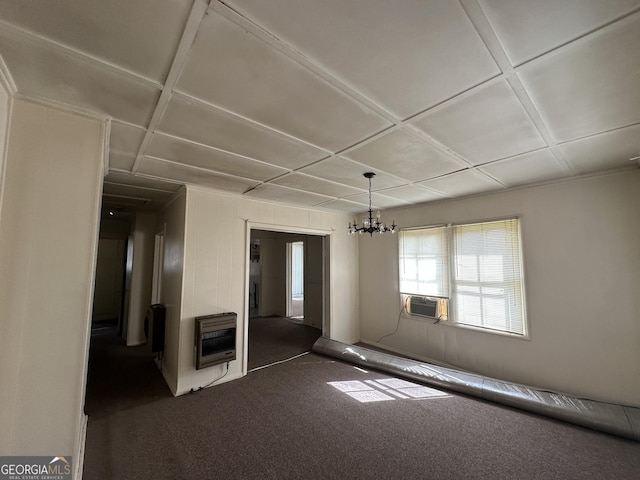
point(591, 86)
point(204, 124)
point(142, 36)
point(125, 138)
point(488, 124)
point(344, 206)
point(260, 83)
point(344, 171)
point(291, 101)
point(195, 176)
point(404, 155)
point(462, 183)
point(170, 148)
point(142, 182)
point(116, 205)
point(528, 28)
point(528, 168)
point(429, 34)
point(412, 194)
point(53, 74)
point(129, 191)
point(122, 190)
point(603, 152)
point(121, 161)
point(277, 193)
point(377, 201)
point(316, 185)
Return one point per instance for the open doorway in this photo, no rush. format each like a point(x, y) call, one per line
point(286, 294)
point(295, 280)
point(109, 286)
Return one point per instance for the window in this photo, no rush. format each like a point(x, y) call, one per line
point(477, 267)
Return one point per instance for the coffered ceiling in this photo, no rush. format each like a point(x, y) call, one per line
point(293, 100)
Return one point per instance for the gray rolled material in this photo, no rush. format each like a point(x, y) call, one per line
point(620, 420)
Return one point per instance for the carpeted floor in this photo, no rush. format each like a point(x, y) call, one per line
point(317, 418)
point(272, 339)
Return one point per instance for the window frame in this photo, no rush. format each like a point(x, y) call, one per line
point(453, 285)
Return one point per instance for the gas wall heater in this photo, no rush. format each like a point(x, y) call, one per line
point(215, 339)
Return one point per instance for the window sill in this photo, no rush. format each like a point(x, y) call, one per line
point(489, 331)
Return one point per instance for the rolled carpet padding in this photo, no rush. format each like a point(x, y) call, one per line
point(620, 420)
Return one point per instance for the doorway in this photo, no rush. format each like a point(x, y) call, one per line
point(108, 300)
point(287, 293)
point(295, 280)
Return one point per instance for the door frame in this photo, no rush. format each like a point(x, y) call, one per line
point(327, 241)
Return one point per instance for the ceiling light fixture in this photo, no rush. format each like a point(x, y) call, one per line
point(371, 225)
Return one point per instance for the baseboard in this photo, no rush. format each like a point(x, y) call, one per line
point(226, 379)
point(407, 354)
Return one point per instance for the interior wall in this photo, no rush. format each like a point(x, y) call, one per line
point(273, 263)
point(48, 245)
point(313, 280)
point(5, 109)
point(582, 271)
point(215, 271)
point(141, 278)
point(273, 268)
point(107, 292)
point(171, 220)
point(115, 228)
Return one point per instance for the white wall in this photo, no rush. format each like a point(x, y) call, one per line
point(48, 243)
point(215, 270)
point(144, 226)
point(582, 271)
point(5, 108)
point(273, 281)
point(171, 220)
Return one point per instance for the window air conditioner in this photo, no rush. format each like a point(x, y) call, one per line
point(427, 306)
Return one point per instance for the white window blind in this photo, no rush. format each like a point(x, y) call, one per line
point(423, 262)
point(478, 267)
point(487, 275)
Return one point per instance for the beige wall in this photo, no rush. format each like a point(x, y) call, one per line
point(582, 271)
point(171, 221)
point(313, 281)
point(48, 242)
point(144, 226)
point(215, 263)
point(5, 108)
point(273, 281)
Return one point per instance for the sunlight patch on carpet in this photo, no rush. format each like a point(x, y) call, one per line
point(385, 389)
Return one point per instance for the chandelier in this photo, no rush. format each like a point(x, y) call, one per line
point(371, 224)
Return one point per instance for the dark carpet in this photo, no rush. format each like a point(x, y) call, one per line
point(121, 378)
point(272, 339)
point(288, 422)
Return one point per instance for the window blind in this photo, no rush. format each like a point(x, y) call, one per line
point(423, 262)
point(487, 275)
